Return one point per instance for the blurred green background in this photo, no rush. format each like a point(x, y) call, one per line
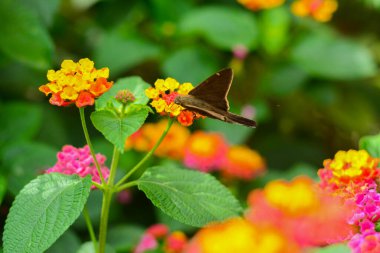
point(314, 87)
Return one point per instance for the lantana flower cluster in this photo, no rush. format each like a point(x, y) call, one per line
point(158, 238)
point(256, 5)
point(76, 82)
point(78, 161)
point(163, 95)
point(200, 150)
point(352, 175)
point(320, 10)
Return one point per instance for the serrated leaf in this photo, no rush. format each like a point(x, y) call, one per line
point(200, 61)
point(134, 84)
point(328, 56)
point(24, 38)
point(135, 51)
point(371, 144)
point(191, 197)
point(116, 128)
point(124, 237)
point(224, 27)
point(43, 210)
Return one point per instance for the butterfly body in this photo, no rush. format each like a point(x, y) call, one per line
point(210, 99)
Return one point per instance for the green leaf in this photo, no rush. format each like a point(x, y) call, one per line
point(371, 144)
point(21, 121)
point(3, 187)
point(45, 9)
point(43, 210)
point(223, 27)
point(191, 197)
point(24, 38)
point(274, 27)
point(134, 84)
point(336, 248)
point(328, 56)
point(134, 51)
point(201, 62)
point(23, 161)
point(124, 237)
point(88, 247)
point(68, 242)
point(116, 128)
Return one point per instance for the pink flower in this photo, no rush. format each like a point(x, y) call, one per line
point(147, 242)
point(365, 243)
point(79, 161)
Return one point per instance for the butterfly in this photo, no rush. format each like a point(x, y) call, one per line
point(209, 99)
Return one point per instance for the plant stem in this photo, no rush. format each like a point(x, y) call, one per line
point(125, 186)
point(148, 155)
point(84, 126)
point(90, 228)
point(107, 197)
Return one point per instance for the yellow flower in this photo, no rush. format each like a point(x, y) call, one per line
point(171, 83)
point(152, 93)
point(160, 85)
point(295, 198)
point(320, 10)
point(159, 104)
point(78, 83)
point(185, 88)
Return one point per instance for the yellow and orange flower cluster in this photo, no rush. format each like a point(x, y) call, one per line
point(261, 4)
point(147, 136)
point(201, 150)
point(239, 235)
point(347, 169)
point(163, 95)
point(76, 82)
point(320, 10)
point(299, 206)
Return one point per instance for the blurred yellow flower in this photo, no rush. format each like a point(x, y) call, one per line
point(320, 10)
point(243, 163)
point(239, 235)
point(260, 4)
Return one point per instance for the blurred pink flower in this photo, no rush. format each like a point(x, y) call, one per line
point(365, 243)
point(147, 242)
point(79, 161)
point(205, 151)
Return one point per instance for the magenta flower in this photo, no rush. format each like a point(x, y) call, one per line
point(79, 161)
point(365, 243)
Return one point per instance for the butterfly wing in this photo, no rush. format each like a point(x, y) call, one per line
point(214, 89)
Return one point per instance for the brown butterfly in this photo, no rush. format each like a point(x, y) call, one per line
point(209, 99)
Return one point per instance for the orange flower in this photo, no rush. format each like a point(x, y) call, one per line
point(172, 146)
point(299, 206)
point(78, 83)
point(205, 151)
point(261, 4)
point(239, 235)
point(243, 163)
point(320, 10)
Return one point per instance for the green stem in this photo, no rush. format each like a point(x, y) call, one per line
point(90, 228)
point(107, 197)
point(97, 185)
point(125, 186)
point(84, 126)
point(148, 155)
